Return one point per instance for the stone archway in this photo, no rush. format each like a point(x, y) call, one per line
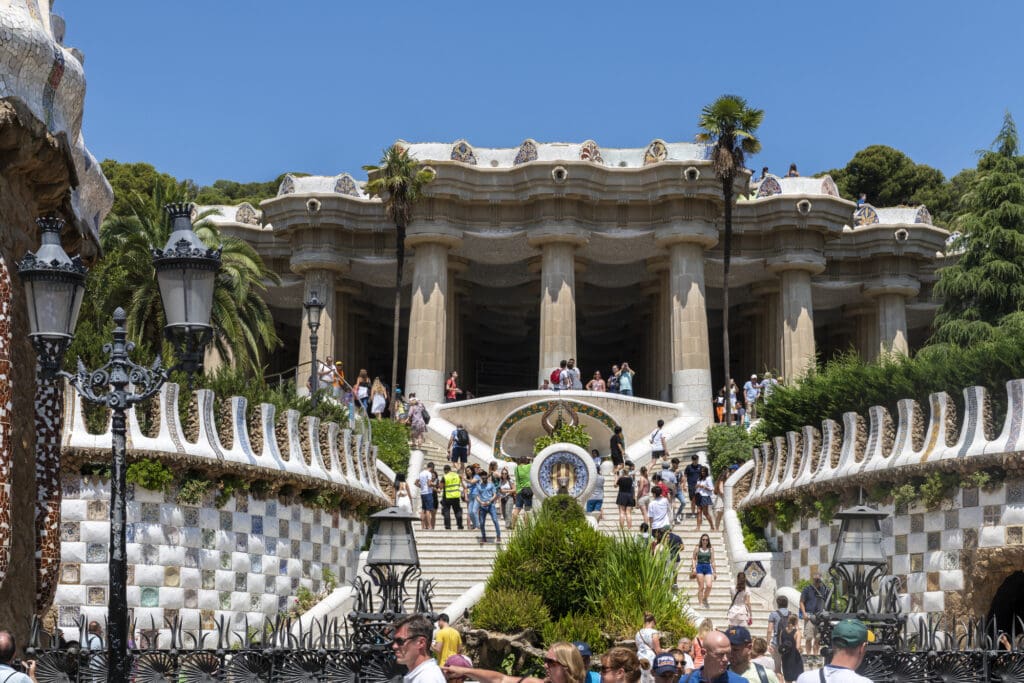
point(985, 571)
point(1008, 604)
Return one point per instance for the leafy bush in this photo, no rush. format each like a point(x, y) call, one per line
point(904, 495)
point(633, 581)
point(510, 610)
point(753, 522)
point(194, 487)
point(826, 506)
point(937, 487)
point(150, 474)
point(986, 480)
point(786, 514)
point(584, 628)
point(556, 555)
point(392, 441)
point(728, 445)
point(563, 433)
point(227, 487)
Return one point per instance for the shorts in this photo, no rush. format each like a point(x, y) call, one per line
point(524, 502)
point(644, 500)
point(704, 568)
point(810, 629)
point(703, 501)
point(460, 454)
point(594, 505)
point(427, 502)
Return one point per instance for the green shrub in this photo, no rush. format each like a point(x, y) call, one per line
point(633, 581)
point(555, 555)
point(905, 495)
point(826, 507)
point(728, 445)
point(786, 514)
point(227, 487)
point(194, 487)
point(563, 433)
point(510, 611)
point(392, 441)
point(753, 521)
point(937, 487)
point(584, 628)
point(150, 474)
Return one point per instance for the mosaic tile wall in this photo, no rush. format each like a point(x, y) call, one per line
point(245, 560)
point(924, 545)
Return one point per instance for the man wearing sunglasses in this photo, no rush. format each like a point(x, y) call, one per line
point(411, 644)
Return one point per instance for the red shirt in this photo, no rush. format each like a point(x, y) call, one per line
point(449, 388)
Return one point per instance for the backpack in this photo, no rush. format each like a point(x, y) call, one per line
point(556, 376)
point(461, 437)
point(426, 416)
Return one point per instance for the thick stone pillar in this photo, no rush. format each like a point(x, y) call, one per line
point(344, 334)
point(890, 295)
point(321, 282)
point(428, 318)
point(557, 298)
point(689, 354)
point(797, 307)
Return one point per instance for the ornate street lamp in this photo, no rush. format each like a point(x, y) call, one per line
point(186, 271)
point(394, 541)
point(858, 560)
point(313, 309)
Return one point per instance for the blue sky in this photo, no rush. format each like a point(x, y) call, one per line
point(249, 90)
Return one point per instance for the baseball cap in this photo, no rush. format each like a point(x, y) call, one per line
point(583, 648)
point(738, 635)
point(458, 660)
point(851, 633)
point(664, 663)
point(734, 466)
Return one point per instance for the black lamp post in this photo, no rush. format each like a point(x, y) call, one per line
point(54, 284)
point(858, 560)
point(313, 309)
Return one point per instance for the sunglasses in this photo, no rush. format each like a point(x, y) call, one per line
point(402, 641)
point(549, 661)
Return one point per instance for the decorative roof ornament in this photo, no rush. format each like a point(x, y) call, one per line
point(346, 185)
point(527, 152)
point(828, 187)
point(865, 215)
point(463, 151)
point(769, 187)
point(287, 185)
point(656, 152)
point(246, 214)
point(589, 151)
point(923, 215)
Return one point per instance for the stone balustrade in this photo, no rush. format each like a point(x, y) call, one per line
point(863, 450)
point(290, 450)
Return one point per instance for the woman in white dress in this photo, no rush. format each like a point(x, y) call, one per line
point(402, 497)
point(378, 398)
point(739, 609)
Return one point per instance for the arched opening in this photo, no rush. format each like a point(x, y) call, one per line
point(1008, 604)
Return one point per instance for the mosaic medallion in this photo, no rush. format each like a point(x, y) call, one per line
point(589, 151)
point(923, 216)
point(769, 187)
point(527, 152)
point(346, 185)
point(656, 152)
point(755, 574)
point(865, 215)
point(563, 468)
point(461, 151)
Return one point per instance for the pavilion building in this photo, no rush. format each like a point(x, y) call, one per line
point(521, 257)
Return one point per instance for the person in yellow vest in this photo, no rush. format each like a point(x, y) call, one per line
point(451, 499)
point(447, 641)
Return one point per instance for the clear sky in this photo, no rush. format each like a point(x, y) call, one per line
point(249, 90)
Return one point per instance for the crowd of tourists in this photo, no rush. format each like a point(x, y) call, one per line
point(567, 376)
point(435, 655)
point(742, 403)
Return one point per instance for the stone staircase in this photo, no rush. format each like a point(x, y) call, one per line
point(456, 560)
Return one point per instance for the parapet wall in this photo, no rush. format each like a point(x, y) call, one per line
point(864, 451)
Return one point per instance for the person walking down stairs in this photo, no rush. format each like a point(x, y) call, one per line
point(453, 491)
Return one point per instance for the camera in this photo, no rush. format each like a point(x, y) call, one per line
point(19, 665)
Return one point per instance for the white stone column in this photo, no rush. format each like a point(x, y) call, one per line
point(690, 355)
point(428, 327)
point(557, 299)
point(890, 295)
point(321, 282)
point(797, 307)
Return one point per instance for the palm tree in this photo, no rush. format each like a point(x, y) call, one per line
point(729, 124)
point(243, 327)
point(398, 180)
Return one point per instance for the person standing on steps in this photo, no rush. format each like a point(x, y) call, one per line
point(625, 376)
point(454, 490)
point(659, 445)
point(451, 387)
point(850, 639)
point(739, 609)
point(447, 641)
point(459, 447)
point(776, 622)
point(427, 481)
point(524, 490)
point(692, 474)
point(575, 381)
point(705, 497)
point(596, 501)
point(812, 601)
point(486, 504)
point(617, 448)
point(660, 512)
point(703, 569)
point(739, 657)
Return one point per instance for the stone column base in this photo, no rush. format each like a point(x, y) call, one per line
point(692, 389)
point(428, 385)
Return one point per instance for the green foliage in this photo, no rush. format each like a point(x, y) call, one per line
point(786, 514)
point(880, 492)
point(563, 433)
point(510, 610)
point(826, 506)
point(324, 500)
point(194, 487)
point(633, 581)
point(392, 441)
point(150, 474)
point(890, 178)
point(905, 495)
point(232, 192)
point(937, 487)
point(227, 487)
point(583, 628)
point(556, 555)
point(728, 445)
point(94, 469)
point(987, 480)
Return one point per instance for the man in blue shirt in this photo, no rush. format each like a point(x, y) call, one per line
point(486, 493)
point(716, 662)
point(586, 653)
